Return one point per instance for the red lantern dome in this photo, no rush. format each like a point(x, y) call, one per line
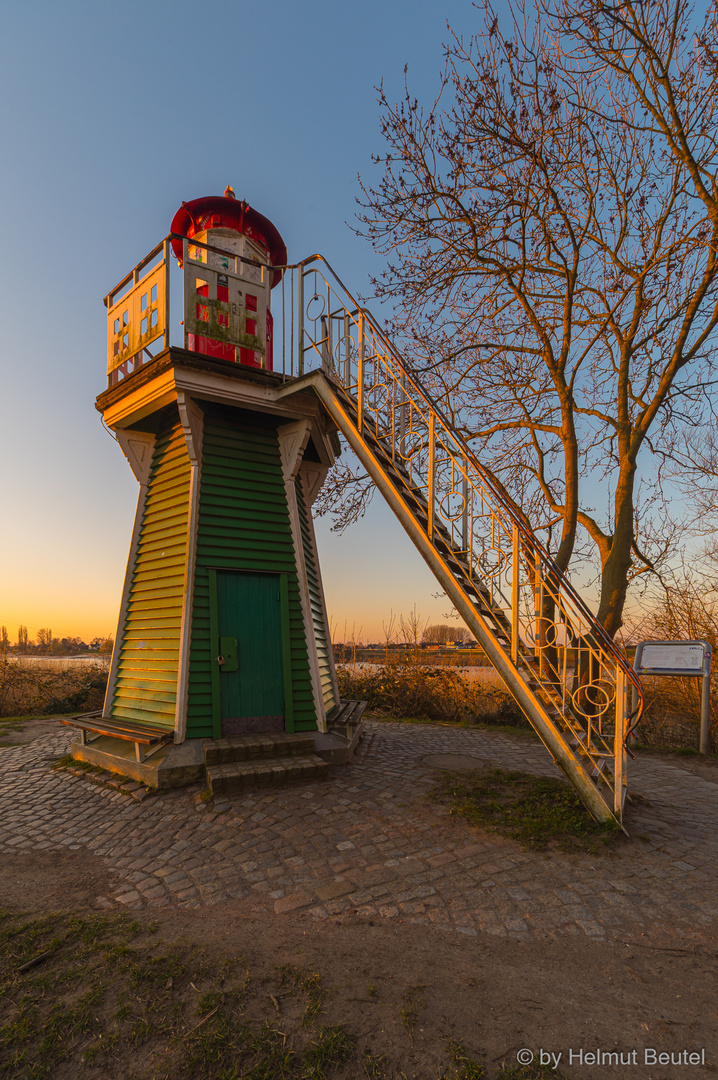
point(227, 212)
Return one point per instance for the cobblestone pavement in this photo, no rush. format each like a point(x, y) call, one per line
point(366, 841)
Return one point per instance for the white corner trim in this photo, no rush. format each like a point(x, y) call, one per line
point(124, 602)
point(310, 467)
point(305, 601)
point(192, 419)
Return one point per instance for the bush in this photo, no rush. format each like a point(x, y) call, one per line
point(672, 714)
point(32, 688)
point(429, 693)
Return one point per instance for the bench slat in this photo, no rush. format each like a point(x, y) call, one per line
point(106, 726)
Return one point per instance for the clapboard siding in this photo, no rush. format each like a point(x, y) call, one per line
point(146, 688)
point(243, 525)
point(315, 600)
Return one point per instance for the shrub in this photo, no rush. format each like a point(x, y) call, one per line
point(429, 693)
point(672, 715)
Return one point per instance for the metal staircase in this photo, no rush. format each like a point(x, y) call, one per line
point(566, 673)
point(569, 677)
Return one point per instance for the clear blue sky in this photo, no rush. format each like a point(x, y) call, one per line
point(112, 115)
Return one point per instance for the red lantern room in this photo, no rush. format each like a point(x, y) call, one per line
point(235, 261)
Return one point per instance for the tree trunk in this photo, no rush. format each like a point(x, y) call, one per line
point(617, 565)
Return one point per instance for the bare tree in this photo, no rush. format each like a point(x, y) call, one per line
point(412, 628)
point(441, 633)
point(551, 228)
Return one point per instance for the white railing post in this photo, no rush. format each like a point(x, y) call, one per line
point(185, 256)
point(347, 351)
point(402, 418)
point(432, 477)
point(360, 374)
point(466, 492)
point(300, 322)
point(167, 294)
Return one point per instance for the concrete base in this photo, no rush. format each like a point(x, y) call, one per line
point(171, 766)
point(336, 747)
point(175, 765)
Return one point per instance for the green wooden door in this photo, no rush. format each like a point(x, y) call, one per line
point(251, 653)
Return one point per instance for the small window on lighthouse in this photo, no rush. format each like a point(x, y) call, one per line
point(125, 318)
point(153, 319)
point(143, 302)
point(251, 302)
point(251, 326)
point(202, 313)
point(117, 326)
point(153, 294)
point(143, 326)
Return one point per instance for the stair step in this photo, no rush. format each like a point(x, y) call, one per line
point(235, 776)
point(255, 747)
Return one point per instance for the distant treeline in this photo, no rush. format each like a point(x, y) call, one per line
point(47, 645)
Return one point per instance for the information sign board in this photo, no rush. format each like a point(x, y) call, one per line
point(671, 657)
point(679, 658)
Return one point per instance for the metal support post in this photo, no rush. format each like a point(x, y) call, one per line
point(515, 596)
point(705, 711)
point(619, 749)
point(634, 705)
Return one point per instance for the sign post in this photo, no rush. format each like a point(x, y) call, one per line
point(692, 658)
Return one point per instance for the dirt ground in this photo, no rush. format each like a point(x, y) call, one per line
point(707, 767)
point(403, 991)
point(17, 732)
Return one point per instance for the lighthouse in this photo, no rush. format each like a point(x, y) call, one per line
point(223, 653)
point(222, 631)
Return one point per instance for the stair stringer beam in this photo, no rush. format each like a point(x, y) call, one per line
point(515, 683)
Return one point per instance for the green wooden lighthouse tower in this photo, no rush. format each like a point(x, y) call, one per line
point(223, 628)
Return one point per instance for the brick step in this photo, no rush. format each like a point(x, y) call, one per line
point(236, 776)
point(253, 747)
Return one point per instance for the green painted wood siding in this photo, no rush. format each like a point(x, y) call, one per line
point(243, 525)
point(315, 599)
point(146, 688)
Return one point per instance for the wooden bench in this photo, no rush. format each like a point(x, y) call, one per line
point(147, 739)
point(346, 713)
